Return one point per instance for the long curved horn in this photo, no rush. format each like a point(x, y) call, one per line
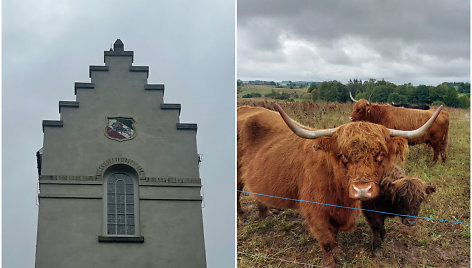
point(370, 97)
point(412, 134)
point(303, 133)
point(350, 95)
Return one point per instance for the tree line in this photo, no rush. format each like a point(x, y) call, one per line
point(381, 91)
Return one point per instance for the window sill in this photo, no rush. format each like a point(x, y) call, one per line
point(121, 239)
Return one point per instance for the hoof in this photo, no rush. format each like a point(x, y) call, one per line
point(377, 252)
point(339, 254)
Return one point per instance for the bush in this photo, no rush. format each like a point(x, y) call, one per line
point(252, 95)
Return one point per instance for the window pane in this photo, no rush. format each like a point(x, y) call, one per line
point(111, 218)
point(129, 189)
point(111, 229)
point(121, 219)
point(130, 219)
point(111, 208)
point(120, 187)
point(121, 208)
point(120, 198)
point(130, 230)
point(130, 208)
point(111, 199)
point(129, 199)
point(121, 229)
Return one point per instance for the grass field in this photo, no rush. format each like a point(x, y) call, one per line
point(266, 89)
point(267, 242)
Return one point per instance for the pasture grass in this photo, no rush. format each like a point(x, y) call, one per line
point(266, 89)
point(430, 243)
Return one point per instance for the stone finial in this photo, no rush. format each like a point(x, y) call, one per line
point(118, 46)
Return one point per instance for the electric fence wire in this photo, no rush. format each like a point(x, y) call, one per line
point(319, 203)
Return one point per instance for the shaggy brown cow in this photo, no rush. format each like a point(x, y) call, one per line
point(406, 119)
point(336, 166)
point(399, 194)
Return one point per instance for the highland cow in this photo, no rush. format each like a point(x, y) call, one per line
point(340, 166)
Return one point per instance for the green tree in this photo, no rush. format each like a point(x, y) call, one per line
point(419, 95)
point(397, 98)
point(311, 88)
point(464, 101)
point(451, 97)
point(333, 91)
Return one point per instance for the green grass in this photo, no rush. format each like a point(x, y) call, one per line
point(428, 244)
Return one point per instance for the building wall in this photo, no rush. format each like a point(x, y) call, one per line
point(76, 153)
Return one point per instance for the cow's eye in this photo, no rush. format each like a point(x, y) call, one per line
point(379, 157)
point(343, 158)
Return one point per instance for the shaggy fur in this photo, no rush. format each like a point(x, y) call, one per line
point(407, 119)
point(399, 194)
point(272, 160)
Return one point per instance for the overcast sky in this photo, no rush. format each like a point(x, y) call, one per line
point(48, 45)
point(407, 41)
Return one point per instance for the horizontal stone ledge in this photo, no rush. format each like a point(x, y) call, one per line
point(68, 104)
point(171, 106)
point(46, 181)
point(81, 85)
point(157, 184)
point(118, 54)
point(171, 198)
point(70, 196)
point(121, 239)
point(186, 126)
point(52, 123)
point(97, 69)
point(140, 69)
point(154, 87)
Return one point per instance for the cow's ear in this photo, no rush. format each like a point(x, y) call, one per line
point(325, 144)
point(397, 148)
point(430, 189)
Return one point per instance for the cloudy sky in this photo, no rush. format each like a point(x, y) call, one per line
point(414, 41)
point(48, 45)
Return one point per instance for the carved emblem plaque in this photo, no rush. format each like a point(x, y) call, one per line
point(120, 128)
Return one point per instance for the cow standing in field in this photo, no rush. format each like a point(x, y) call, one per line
point(406, 119)
point(398, 194)
point(339, 166)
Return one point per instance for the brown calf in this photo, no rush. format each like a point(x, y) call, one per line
point(399, 194)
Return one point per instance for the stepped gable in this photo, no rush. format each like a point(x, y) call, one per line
point(97, 70)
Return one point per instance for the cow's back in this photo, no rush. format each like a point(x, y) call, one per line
point(268, 156)
point(409, 119)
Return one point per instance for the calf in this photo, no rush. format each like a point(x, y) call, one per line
point(398, 194)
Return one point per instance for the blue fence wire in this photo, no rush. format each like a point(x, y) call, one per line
point(319, 203)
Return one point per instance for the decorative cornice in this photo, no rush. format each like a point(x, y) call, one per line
point(140, 69)
point(154, 87)
point(80, 85)
point(186, 126)
point(97, 69)
point(52, 123)
point(68, 104)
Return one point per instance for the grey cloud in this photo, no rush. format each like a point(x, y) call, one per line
point(402, 32)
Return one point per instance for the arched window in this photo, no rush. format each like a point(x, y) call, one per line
point(121, 202)
point(121, 219)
